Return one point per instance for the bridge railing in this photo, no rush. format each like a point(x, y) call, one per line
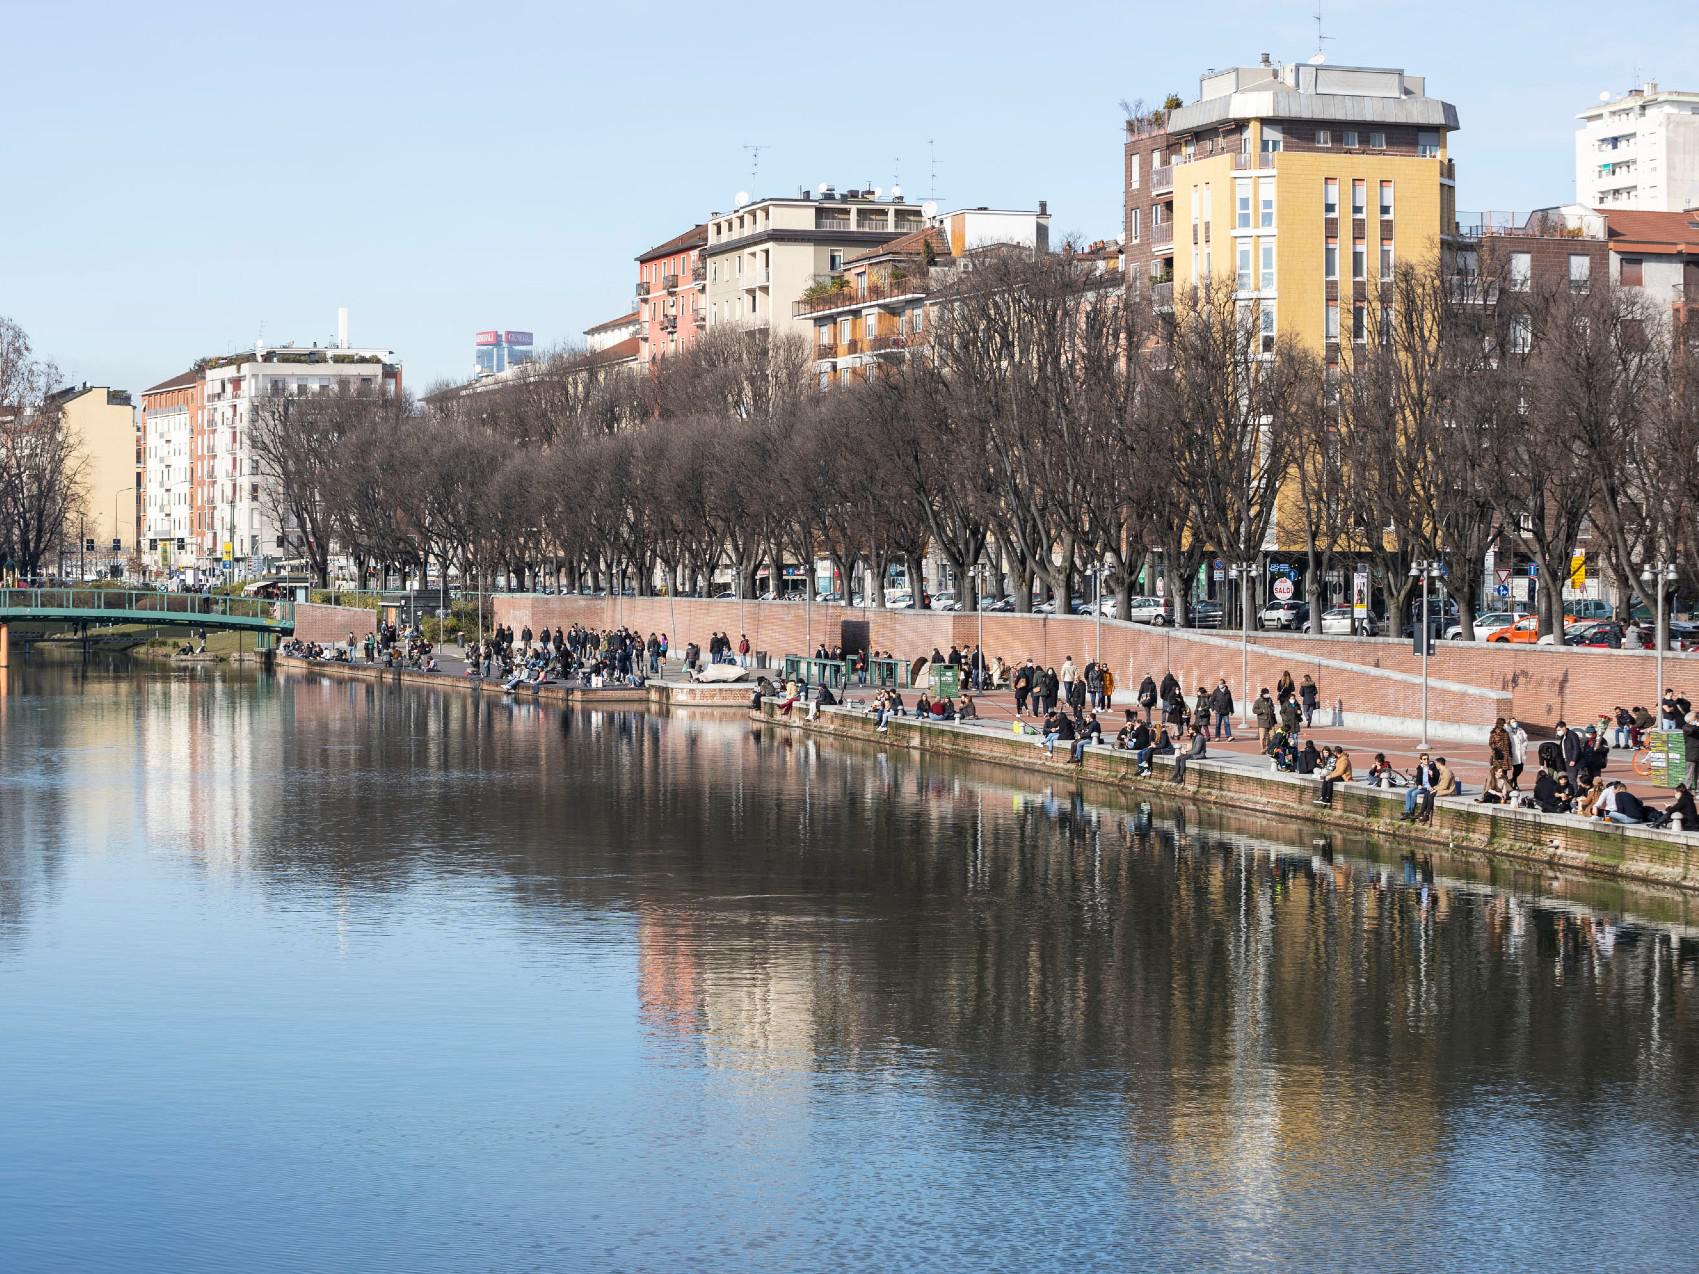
point(179, 607)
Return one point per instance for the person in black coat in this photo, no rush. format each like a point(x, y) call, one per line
point(1546, 796)
point(1570, 747)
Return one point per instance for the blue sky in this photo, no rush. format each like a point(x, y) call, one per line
point(185, 177)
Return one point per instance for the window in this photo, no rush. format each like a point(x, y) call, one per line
point(1333, 321)
point(1385, 260)
point(1359, 196)
point(1359, 259)
point(1242, 202)
point(1324, 137)
point(1521, 334)
point(1265, 197)
point(846, 328)
point(1580, 273)
point(1377, 141)
point(1350, 137)
point(1521, 272)
point(1267, 281)
point(869, 326)
point(1385, 200)
point(1633, 272)
point(1330, 260)
point(1386, 325)
point(1359, 322)
point(1244, 282)
point(1134, 163)
point(1133, 226)
point(1427, 145)
point(823, 334)
point(917, 319)
point(835, 260)
point(1271, 139)
point(1330, 197)
point(1266, 324)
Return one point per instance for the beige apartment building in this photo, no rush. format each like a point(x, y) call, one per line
point(762, 256)
point(103, 422)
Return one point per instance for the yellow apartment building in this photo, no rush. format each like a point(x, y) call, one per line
point(103, 422)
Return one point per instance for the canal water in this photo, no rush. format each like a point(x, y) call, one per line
point(298, 974)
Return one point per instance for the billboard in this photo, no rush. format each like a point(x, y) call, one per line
point(518, 338)
point(487, 338)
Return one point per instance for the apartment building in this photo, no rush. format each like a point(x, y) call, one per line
point(876, 309)
point(765, 253)
point(1639, 151)
point(172, 421)
point(102, 421)
point(672, 281)
point(1302, 184)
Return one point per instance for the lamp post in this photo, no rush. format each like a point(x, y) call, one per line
point(1244, 569)
point(1097, 606)
point(1665, 575)
point(979, 606)
point(116, 500)
point(1425, 570)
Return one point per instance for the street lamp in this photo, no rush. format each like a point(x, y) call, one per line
point(1098, 607)
point(116, 500)
point(1425, 571)
point(1244, 568)
point(1664, 572)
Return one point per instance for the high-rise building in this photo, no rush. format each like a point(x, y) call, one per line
point(671, 287)
point(496, 351)
point(763, 255)
point(1302, 185)
point(1639, 151)
point(173, 423)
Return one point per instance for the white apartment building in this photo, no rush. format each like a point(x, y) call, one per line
point(765, 253)
point(240, 523)
point(170, 419)
point(1639, 151)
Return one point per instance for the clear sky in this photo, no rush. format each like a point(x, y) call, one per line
point(183, 178)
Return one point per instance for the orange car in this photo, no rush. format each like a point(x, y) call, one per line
point(1526, 629)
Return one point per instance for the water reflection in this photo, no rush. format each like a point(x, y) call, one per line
point(858, 977)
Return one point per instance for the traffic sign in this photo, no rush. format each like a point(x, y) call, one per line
point(1283, 589)
point(1503, 590)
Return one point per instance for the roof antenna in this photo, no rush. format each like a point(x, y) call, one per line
point(932, 158)
point(1321, 39)
point(755, 166)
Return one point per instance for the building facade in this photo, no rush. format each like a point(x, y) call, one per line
point(103, 423)
point(1639, 152)
point(494, 352)
point(172, 428)
point(765, 254)
point(1300, 185)
point(671, 295)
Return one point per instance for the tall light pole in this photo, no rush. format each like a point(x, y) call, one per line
point(1424, 634)
point(116, 499)
point(1244, 569)
point(1098, 607)
point(1665, 573)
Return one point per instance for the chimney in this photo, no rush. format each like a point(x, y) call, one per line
point(1265, 59)
point(1044, 207)
point(342, 327)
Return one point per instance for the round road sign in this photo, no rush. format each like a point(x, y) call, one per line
point(1283, 589)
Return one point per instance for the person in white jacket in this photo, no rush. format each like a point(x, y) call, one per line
point(1518, 749)
point(1067, 678)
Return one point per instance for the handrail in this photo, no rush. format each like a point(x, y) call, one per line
point(115, 600)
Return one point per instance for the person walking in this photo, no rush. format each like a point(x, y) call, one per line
point(1571, 750)
point(1518, 739)
point(1201, 712)
point(1108, 695)
point(1221, 705)
point(1291, 716)
point(1262, 708)
point(1022, 686)
point(1309, 695)
point(1068, 677)
point(1284, 689)
point(1147, 695)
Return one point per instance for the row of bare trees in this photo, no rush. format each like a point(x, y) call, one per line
point(1052, 428)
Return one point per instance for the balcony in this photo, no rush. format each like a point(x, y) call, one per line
point(642, 288)
point(669, 322)
point(831, 223)
point(699, 273)
point(1162, 295)
point(1162, 235)
point(848, 298)
point(669, 282)
point(1471, 289)
point(895, 343)
point(1162, 180)
point(755, 278)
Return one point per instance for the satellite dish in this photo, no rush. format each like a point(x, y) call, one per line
point(896, 193)
point(930, 207)
point(739, 199)
point(825, 185)
point(1605, 96)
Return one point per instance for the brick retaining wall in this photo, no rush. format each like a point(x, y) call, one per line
point(328, 624)
point(1377, 680)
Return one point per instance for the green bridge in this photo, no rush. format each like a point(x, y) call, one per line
point(103, 606)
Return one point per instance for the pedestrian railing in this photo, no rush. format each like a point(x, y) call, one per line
point(146, 605)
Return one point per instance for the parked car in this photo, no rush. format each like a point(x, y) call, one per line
point(1341, 621)
point(1580, 608)
point(1288, 614)
point(1149, 610)
point(945, 601)
point(1525, 631)
point(1204, 614)
point(902, 599)
point(1484, 624)
point(1594, 632)
point(833, 598)
point(997, 604)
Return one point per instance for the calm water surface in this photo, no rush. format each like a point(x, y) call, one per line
point(303, 975)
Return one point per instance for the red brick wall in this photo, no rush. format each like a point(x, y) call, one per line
point(326, 624)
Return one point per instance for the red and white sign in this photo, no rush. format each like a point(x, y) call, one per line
point(1283, 588)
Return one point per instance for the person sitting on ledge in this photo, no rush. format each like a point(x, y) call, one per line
point(922, 707)
point(967, 711)
point(1124, 736)
point(1547, 798)
point(1200, 746)
point(1338, 770)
